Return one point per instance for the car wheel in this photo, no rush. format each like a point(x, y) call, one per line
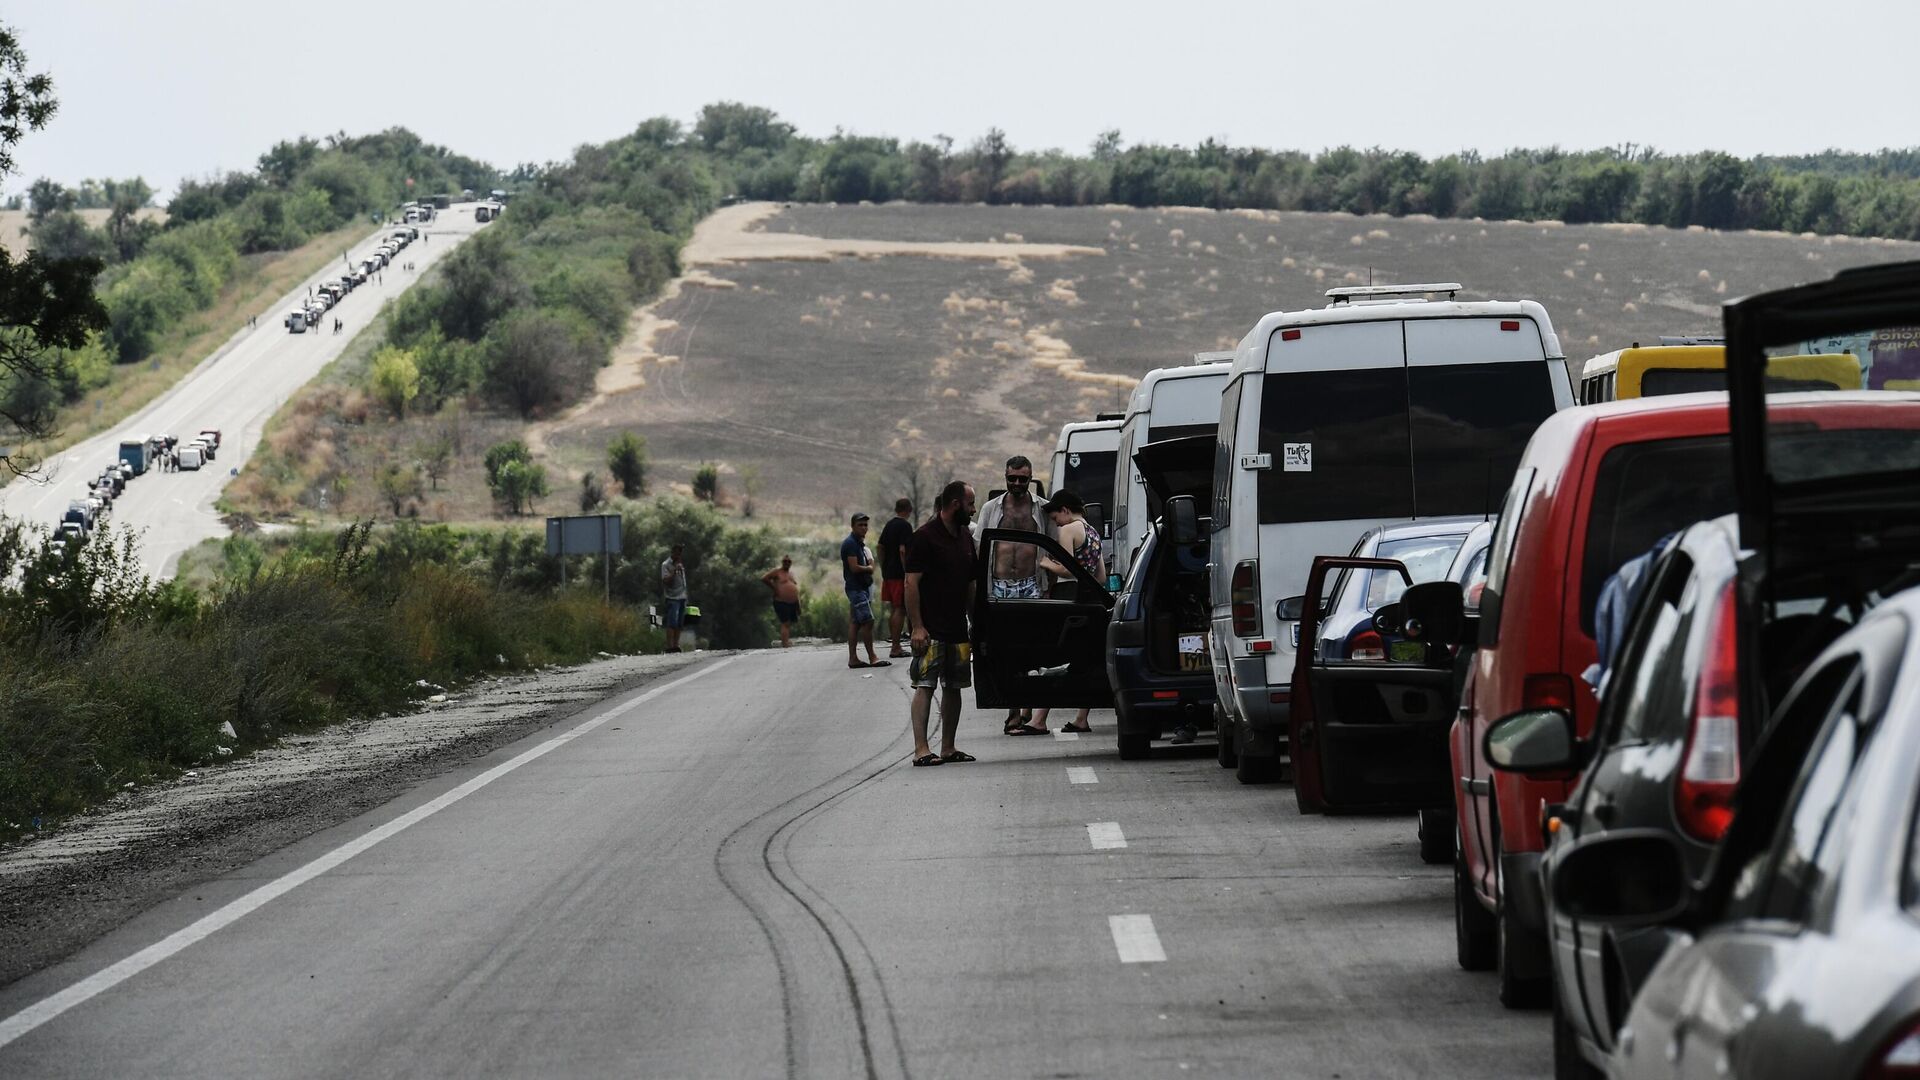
point(1223, 738)
point(1517, 991)
point(1436, 837)
point(1473, 929)
point(1255, 769)
point(1134, 747)
point(1568, 1064)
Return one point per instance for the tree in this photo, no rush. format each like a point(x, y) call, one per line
point(706, 483)
point(519, 483)
point(500, 454)
point(45, 305)
point(436, 457)
point(627, 462)
point(593, 494)
point(728, 127)
point(394, 379)
point(1106, 148)
point(537, 359)
point(399, 485)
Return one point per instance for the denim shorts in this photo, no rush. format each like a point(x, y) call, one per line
point(675, 614)
point(860, 604)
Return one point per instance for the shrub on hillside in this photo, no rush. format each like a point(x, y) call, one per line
point(536, 359)
point(627, 462)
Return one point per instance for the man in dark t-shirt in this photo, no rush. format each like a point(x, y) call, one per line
point(893, 572)
point(939, 590)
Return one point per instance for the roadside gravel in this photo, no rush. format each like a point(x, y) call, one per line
point(67, 886)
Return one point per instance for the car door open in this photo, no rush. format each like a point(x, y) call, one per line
point(1039, 626)
point(1371, 734)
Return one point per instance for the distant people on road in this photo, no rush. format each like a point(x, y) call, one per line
point(1069, 517)
point(939, 591)
point(856, 572)
point(894, 537)
point(673, 590)
point(1015, 573)
point(786, 598)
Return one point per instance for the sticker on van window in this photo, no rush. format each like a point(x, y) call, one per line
point(1296, 457)
point(1073, 461)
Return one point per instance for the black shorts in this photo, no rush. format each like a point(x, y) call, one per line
point(786, 612)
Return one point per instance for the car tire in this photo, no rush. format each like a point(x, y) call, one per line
point(1568, 1064)
point(1256, 769)
point(1473, 927)
point(1223, 740)
point(1133, 747)
point(1436, 837)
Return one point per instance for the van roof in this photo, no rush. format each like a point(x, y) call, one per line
point(1142, 398)
point(1251, 355)
point(1069, 430)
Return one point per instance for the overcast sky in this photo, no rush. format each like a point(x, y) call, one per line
point(190, 87)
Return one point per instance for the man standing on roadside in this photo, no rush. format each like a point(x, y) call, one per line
point(673, 589)
point(786, 598)
point(939, 591)
point(1015, 573)
point(894, 538)
point(856, 573)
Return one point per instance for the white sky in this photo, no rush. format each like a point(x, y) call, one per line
point(189, 87)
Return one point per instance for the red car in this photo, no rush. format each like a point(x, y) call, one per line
point(1596, 487)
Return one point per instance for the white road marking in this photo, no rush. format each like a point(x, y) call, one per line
point(31, 1017)
point(1081, 774)
point(1105, 835)
point(1133, 936)
point(1067, 736)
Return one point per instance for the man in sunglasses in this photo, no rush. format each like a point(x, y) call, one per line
point(1015, 573)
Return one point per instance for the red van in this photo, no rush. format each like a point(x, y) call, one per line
point(1596, 487)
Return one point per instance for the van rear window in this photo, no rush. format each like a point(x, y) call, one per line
point(1642, 492)
point(1092, 479)
point(1470, 424)
point(1338, 440)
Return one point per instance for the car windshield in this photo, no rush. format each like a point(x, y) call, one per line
point(1425, 557)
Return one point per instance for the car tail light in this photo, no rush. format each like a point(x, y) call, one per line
point(1368, 645)
point(1289, 335)
point(1710, 765)
point(1246, 599)
point(1899, 1056)
point(1547, 692)
point(1510, 324)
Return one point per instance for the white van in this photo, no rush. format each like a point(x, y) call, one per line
point(1382, 406)
point(190, 457)
point(1084, 459)
point(1169, 403)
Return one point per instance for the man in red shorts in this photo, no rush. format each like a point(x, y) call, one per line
point(893, 571)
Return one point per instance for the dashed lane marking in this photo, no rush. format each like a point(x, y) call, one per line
point(1106, 835)
point(1081, 774)
point(1134, 938)
point(1065, 736)
point(31, 1017)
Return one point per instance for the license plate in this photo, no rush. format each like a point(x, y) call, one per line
point(1407, 652)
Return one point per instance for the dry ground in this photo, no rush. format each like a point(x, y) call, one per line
point(798, 347)
point(13, 225)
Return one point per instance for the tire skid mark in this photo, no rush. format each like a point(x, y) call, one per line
point(761, 865)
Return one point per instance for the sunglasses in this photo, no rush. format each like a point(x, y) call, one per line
point(1012, 479)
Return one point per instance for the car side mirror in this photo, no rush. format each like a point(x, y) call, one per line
point(1183, 519)
point(1434, 611)
point(1632, 877)
point(1389, 619)
point(1534, 740)
point(1293, 608)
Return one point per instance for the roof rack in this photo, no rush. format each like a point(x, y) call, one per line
point(1109, 416)
point(1693, 339)
point(1348, 293)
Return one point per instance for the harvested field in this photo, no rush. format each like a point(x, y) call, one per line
point(13, 225)
point(821, 344)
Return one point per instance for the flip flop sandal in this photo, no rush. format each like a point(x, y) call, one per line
point(929, 759)
point(1078, 730)
point(856, 663)
point(881, 663)
point(957, 756)
point(1025, 730)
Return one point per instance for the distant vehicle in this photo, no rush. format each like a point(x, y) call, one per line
point(1169, 403)
point(466, 195)
point(72, 533)
point(1382, 405)
point(1084, 459)
point(57, 547)
point(411, 216)
point(81, 512)
point(190, 457)
point(358, 275)
point(124, 469)
point(111, 479)
point(500, 196)
point(1426, 548)
point(210, 436)
point(441, 202)
point(206, 449)
point(136, 452)
point(483, 213)
point(1690, 365)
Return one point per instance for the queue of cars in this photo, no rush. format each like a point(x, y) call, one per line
point(1643, 668)
point(333, 290)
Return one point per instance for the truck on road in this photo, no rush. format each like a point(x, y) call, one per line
point(137, 452)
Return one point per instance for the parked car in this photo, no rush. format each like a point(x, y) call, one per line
point(210, 436)
point(1597, 486)
point(1425, 548)
point(1381, 406)
point(296, 321)
point(72, 533)
point(1796, 956)
point(1155, 645)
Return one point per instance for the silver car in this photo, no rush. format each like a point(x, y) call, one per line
point(1799, 956)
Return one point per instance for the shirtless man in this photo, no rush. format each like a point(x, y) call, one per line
point(786, 598)
point(1015, 573)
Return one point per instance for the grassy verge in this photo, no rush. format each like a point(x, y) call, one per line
point(262, 280)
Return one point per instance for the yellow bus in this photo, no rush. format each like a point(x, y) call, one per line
point(1656, 370)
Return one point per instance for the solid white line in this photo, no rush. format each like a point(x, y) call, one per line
point(1105, 835)
point(1081, 774)
point(1133, 936)
point(24, 1021)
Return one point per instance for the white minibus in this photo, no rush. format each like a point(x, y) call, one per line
point(1382, 406)
point(1084, 457)
point(1169, 403)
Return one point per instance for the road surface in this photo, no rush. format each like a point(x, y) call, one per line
point(737, 873)
point(235, 393)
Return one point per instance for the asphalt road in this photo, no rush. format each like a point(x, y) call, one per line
point(736, 873)
point(235, 392)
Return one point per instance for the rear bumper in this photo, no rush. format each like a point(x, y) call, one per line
point(1261, 710)
point(1152, 702)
